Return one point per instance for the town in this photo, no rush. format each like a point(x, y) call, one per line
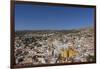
point(54, 46)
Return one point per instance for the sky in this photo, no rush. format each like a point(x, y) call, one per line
point(41, 17)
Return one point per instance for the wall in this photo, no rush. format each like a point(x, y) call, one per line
point(5, 34)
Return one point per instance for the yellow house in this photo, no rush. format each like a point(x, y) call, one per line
point(68, 53)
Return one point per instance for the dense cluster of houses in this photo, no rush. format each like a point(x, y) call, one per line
point(54, 47)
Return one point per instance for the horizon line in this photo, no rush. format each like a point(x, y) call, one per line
point(54, 29)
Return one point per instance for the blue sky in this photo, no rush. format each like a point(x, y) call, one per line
point(37, 17)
